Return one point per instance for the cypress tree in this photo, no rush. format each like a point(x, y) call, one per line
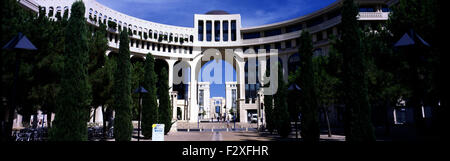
point(309, 121)
point(358, 121)
point(280, 111)
point(149, 103)
point(123, 127)
point(72, 114)
point(165, 107)
point(268, 110)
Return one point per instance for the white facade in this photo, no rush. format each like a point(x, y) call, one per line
point(174, 43)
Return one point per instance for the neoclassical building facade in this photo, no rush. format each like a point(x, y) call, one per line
point(217, 30)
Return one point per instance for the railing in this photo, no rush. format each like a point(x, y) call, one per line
point(292, 35)
point(373, 15)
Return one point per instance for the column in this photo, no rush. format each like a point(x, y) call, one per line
point(229, 30)
point(221, 31)
point(204, 31)
point(213, 32)
point(193, 106)
point(170, 74)
point(241, 66)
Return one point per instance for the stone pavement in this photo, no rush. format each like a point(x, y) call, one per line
point(236, 136)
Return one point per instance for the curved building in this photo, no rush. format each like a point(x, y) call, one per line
point(218, 30)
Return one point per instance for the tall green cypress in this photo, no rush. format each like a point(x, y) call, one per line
point(165, 107)
point(123, 127)
point(268, 110)
point(149, 103)
point(280, 111)
point(358, 121)
point(309, 121)
point(70, 122)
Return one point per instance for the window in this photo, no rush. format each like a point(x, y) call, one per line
point(225, 30)
point(233, 98)
point(314, 22)
point(400, 115)
point(208, 31)
point(273, 32)
point(217, 30)
point(366, 9)
point(233, 30)
point(288, 44)
point(334, 14)
point(200, 99)
point(278, 46)
point(267, 47)
point(319, 36)
point(252, 35)
point(256, 48)
point(295, 27)
point(385, 9)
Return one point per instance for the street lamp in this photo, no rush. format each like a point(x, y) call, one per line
point(18, 43)
point(140, 90)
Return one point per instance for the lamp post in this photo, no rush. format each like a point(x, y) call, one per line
point(140, 90)
point(18, 43)
point(415, 45)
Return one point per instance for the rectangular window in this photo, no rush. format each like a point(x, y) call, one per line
point(295, 27)
point(208, 30)
point(278, 46)
point(233, 30)
point(252, 35)
point(256, 49)
point(267, 47)
point(273, 32)
point(200, 31)
point(288, 44)
point(200, 99)
point(217, 30)
point(225, 30)
point(366, 9)
point(319, 36)
point(233, 98)
point(314, 22)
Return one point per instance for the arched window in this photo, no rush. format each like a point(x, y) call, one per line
point(43, 10)
point(58, 12)
point(150, 33)
point(191, 38)
point(50, 11)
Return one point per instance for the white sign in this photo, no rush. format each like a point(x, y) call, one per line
point(158, 132)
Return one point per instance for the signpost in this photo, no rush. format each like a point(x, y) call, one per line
point(158, 132)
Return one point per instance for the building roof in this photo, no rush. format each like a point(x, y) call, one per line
point(217, 12)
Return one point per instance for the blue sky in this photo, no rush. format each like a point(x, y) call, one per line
point(181, 12)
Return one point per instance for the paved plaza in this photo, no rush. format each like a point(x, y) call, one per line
point(235, 136)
